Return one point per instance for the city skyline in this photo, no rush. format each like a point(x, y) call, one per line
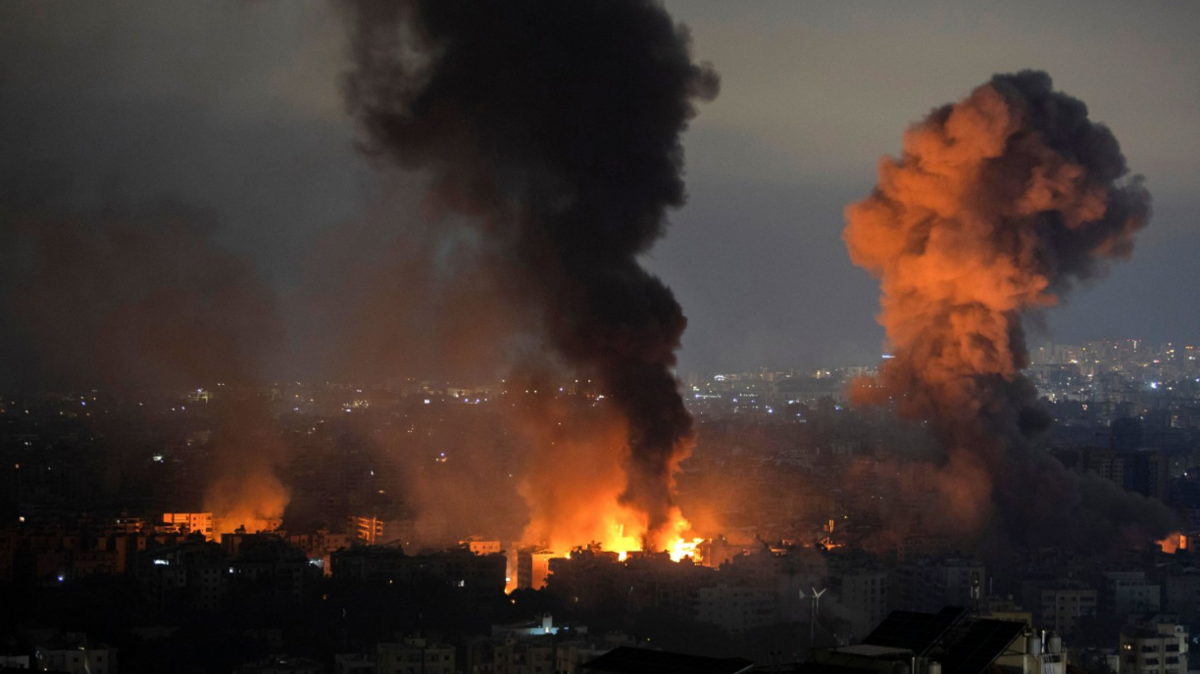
point(599, 337)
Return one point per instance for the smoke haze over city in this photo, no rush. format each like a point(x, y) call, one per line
point(599, 336)
point(236, 110)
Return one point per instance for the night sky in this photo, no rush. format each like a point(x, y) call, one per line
point(235, 109)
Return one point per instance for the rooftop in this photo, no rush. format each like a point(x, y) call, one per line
point(627, 660)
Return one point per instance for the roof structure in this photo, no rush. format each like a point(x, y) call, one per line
point(872, 651)
point(985, 640)
point(914, 631)
point(626, 660)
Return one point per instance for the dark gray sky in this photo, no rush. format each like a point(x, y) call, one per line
point(234, 107)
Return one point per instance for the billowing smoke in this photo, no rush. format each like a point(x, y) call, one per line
point(998, 205)
point(555, 127)
point(140, 299)
point(377, 290)
point(243, 489)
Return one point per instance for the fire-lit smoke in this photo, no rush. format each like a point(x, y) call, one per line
point(996, 207)
point(567, 512)
point(572, 438)
point(556, 128)
point(377, 289)
point(137, 300)
point(244, 491)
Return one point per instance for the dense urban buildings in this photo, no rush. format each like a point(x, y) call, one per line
point(802, 502)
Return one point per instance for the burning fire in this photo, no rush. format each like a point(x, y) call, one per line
point(1174, 542)
point(244, 490)
point(682, 548)
point(624, 531)
point(574, 488)
point(679, 546)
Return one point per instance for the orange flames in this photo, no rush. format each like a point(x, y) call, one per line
point(681, 544)
point(244, 490)
point(574, 483)
point(1174, 542)
point(253, 503)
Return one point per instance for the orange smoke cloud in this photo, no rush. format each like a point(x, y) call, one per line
point(253, 502)
point(244, 490)
point(996, 206)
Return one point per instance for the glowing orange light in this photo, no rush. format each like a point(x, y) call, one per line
point(1173, 542)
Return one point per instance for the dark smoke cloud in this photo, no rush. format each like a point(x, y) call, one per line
point(122, 297)
point(139, 299)
point(556, 127)
point(998, 206)
point(376, 292)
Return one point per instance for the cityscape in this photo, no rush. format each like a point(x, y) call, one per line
point(599, 337)
point(104, 503)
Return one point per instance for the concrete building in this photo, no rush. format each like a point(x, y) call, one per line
point(95, 563)
point(863, 593)
point(532, 567)
point(14, 662)
point(1129, 592)
point(538, 647)
point(1182, 593)
point(193, 574)
point(372, 564)
point(481, 546)
point(415, 655)
point(472, 576)
point(533, 655)
point(73, 654)
point(320, 545)
point(273, 570)
point(928, 584)
point(354, 663)
point(1143, 471)
point(372, 530)
point(1059, 604)
point(1154, 649)
point(737, 607)
point(185, 523)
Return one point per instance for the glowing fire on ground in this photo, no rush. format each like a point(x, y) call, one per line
point(1174, 542)
point(680, 545)
point(251, 502)
point(622, 535)
point(681, 548)
point(574, 489)
point(624, 531)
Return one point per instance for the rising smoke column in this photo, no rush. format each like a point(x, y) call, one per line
point(998, 205)
point(556, 125)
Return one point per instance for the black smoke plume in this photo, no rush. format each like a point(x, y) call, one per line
point(556, 127)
